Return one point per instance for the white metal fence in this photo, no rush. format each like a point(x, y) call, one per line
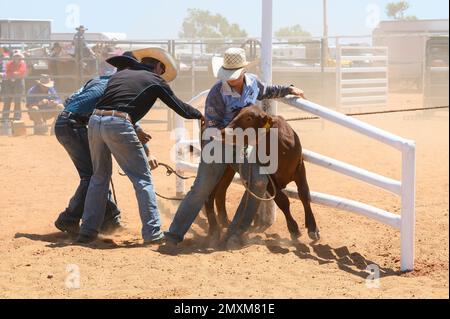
point(404, 188)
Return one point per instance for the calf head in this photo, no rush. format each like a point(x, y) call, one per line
point(251, 117)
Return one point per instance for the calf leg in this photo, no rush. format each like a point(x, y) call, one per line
point(214, 230)
point(283, 203)
point(220, 196)
point(305, 197)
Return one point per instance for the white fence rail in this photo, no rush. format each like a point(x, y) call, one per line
point(404, 188)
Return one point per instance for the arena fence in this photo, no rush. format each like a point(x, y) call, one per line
point(404, 188)
point(362, 76)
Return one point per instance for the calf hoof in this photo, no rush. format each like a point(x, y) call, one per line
point(214, 236)
point(224, 223)
point(296, 234)
point(314, 235)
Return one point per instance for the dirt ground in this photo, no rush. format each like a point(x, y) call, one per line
point(37, 180)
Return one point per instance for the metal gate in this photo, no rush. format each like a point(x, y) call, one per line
point(362, 76)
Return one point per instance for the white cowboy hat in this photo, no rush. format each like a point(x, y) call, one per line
point(18, 54)
point(164, 57)
point(232, 65)
point(46, 81)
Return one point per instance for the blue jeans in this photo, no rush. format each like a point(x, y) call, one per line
point(14, 91)
point(74, 138)
point(113, 135)
point(208, 175)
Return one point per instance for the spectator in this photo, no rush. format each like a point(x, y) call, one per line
point(3, 55)
point(83, 54)
point(14, 85)
point(79, 42)
point(43, 97)
point(55, 52)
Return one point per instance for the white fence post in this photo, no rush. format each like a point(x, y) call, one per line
point(338, 73)
point(408, 217)
point(179, 153)
point(267, 210)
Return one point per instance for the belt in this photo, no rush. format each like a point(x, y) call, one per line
point(113, 113)
point(80, 119)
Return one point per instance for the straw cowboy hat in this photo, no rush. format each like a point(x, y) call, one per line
point(164, 57)
point(46, 81)
point(231, 66)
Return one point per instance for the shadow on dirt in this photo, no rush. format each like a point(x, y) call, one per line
point(351, 262)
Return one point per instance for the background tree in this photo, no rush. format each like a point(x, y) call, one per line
point(203, 24)
point(292, 32)
point(397, 10)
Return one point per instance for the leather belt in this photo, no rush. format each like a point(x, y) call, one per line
point(113, 113)
point(80, 119)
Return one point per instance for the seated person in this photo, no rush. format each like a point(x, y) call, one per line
point(43, 97)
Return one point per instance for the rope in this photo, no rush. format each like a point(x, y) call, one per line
point(169, 172)
point(244, 183)
point(371, 113)
point(114, 192)
point(169, 198)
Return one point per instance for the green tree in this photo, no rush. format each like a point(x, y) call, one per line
point(397, 11)
point(291, 32)
point(204, 24)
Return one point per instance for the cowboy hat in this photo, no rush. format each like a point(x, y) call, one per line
point(81, 27)
point(126, 60)
point(46, 81)
point(162, 56)
point(232, 65)
point(18, 54)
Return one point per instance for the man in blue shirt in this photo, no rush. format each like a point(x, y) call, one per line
point(71, 132)
point(235, 91)
point(43, 97)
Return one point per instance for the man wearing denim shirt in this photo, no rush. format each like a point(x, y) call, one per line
point(71, 132)
point(235, 91)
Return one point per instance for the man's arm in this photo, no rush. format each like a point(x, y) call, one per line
point(22, 71)
point(171, 100)
point(32, 99)
point(215, 108)
point(165, 94)
point(267, 92)
point(54, 95)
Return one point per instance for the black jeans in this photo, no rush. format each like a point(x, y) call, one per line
point(73, 136)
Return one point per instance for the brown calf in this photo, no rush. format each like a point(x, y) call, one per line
point(291, 168)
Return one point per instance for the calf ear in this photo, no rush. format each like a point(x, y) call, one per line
point(267, 121)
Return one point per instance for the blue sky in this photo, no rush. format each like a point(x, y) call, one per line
point(156, 19)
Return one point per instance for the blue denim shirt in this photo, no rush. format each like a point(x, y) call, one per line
point(83, 102)
point(223, 104)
